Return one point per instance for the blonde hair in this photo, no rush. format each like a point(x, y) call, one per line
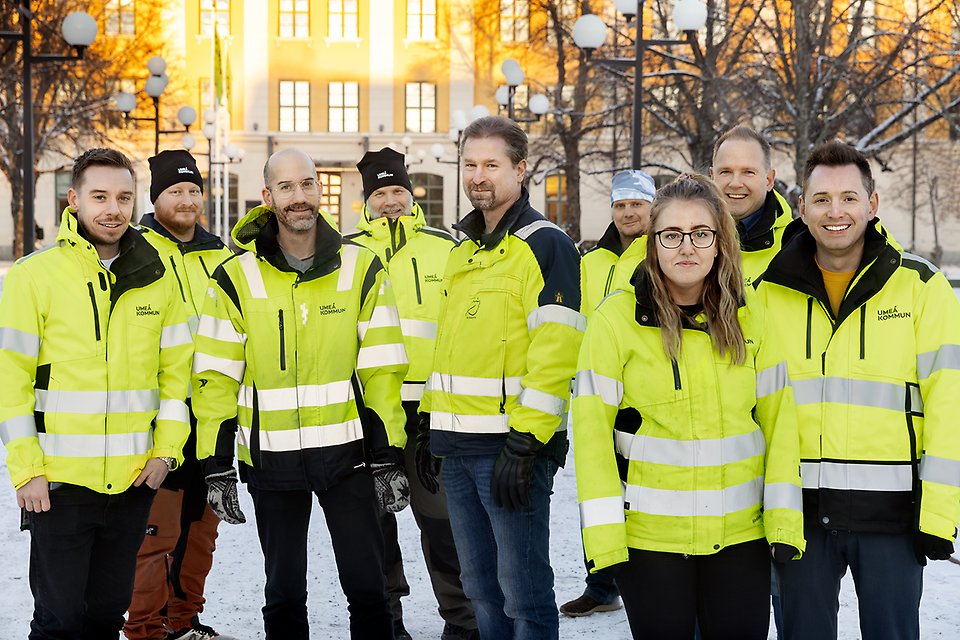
point(722, 288)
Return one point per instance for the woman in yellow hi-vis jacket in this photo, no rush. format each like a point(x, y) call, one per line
point(685, 435)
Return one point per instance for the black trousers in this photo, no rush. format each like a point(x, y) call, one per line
point(728, 593)
point(83, 556)
point(350, 510)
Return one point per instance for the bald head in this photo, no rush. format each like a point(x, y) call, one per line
point(287, 159)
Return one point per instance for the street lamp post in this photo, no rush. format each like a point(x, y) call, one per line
point(590, 32)
point(538, 104)
point(154, 87)
point(217, 219)
point(79, 30)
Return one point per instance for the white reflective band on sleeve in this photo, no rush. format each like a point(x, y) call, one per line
point(856, 476)
point(862, 393)
point(291, 398)
point(720, 502)
point(231, 368)
point(222, 330)
point(940, 470)
point(946, 357)
point(590, 383)
point(382, 355)
point(194, 323)
point(533, 227)
point(74, 445)
point(17, 427)
point(175, 335)
point(471, 386)
point(460, 423)
point(543, 402)
point(174, 410)
point(309, 437)
point(772, 379)
point(690, 453)
point(411, 391)
point(382, 316)
point(348, 266)
point(418, 329)
point(251, 272)
point(782, 495)
point(94, 402)
point(558, 314)
point(20, 341)
point(601, 511)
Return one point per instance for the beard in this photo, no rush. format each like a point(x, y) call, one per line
point(298, 217)
point(484, 201)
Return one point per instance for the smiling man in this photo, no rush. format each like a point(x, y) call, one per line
point(873, 351)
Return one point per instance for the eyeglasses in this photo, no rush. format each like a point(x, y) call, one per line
point(308, 186)
point(700, 238)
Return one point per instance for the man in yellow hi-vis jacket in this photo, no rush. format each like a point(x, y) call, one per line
point(94, 362)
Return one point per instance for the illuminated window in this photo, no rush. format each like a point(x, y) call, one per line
point(514, 20)
point(121, 18)
point(344, 107)
point(294, 18)
point(422, 19)
point(207, 10)
point(343, 20)
point(331, 184)
point(294, 105)
point(421, 107)
point(428, 192)
point(556, 199)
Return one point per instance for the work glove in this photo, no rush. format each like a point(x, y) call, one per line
point(510, 485)
point(930, 546)
point(222, 496)
point(428, 465)
point(392, 487)
point(782, 552)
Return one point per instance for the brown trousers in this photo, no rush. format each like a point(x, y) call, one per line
point(172, 567)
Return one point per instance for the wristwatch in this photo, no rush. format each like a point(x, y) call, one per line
point(170, 462)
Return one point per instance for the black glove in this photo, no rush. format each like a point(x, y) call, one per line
point(510, 485)
point(930, 546)
point(392, 487)
point(222, 496)
point(781, 552)
point(428, 465)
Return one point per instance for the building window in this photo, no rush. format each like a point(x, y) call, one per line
point(567, 12)
point(209, 8)
point(428, 192)
point(294, 105)
point(331, 184)
point(421, 111)
point(514, 20)
point(422, 19)
point(121, 18)
point(343, 20)
point(556, 199)
point(344, 107)
point(294, 18)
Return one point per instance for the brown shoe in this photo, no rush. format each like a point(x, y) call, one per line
point(585, 606)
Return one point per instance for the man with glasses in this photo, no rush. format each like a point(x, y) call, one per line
point(299, 353)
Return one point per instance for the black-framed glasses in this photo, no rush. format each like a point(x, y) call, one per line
point(700, 238)
point(308, 186)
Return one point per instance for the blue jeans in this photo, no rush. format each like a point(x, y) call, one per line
point(504, 555)
point(888, 580)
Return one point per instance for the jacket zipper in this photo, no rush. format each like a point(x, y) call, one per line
point(809, 325)
point(96, 313)
point(503, 393)
point(283, 346)
point(416, 279)
point(606, 288)
point(177, 275)
point(676, 375)
point(863, 331)
point(203, 266)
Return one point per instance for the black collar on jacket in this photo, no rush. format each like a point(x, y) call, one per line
point(760, 235)
point(326, 257)
point(795, 267)
point(610, 240)
point(202, 240)
point(473, 223)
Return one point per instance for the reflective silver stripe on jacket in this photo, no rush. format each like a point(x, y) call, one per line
point(782, 495)
point(601, 511)
point(690, 453)
point(946, 357)
point(251, 273)
point(940, 470)
point(418, 329)
point(718, 502)
point(558, 314)
point(291, 398)
point(348, 266)
point(94, 402)
point(174, 410)
point(473, 386)
point(76, 445)
point(772, 379)
point(21, 342)
point(856, 476)
point(461, 423)
point(175, 335)
point(528, 230)
point(543, 402)
point(222, 330)
point(382, 316)
point(411, 391)
point(206, 362)
point(309, 437)
point(17, 427)
point(381, 355)
point(591, 383)
point(863, 393)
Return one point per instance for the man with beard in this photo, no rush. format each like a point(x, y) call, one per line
point(94, 363)
point(415, 255)
point(299, 354)
point(177, 552)
point(507, 342)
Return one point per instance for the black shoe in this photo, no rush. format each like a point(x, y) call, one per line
point(399, 632)
point(453, 632)
point(585, 606)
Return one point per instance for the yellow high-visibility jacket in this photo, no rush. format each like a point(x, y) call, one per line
point(282, 355)
point(597, 268)
point(876, 387)
point(94, 363)
point(682, 456)
point(508, 334)
point(414, 256)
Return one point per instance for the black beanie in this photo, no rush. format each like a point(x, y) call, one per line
point(383, 168)
point(172, 167)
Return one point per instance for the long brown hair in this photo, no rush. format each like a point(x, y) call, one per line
point(722, 288)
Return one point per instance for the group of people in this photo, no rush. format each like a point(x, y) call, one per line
point(747, 389)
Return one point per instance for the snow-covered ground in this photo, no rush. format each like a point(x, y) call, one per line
point(235, 586)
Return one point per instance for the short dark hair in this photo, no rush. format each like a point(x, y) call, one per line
point(498, 127)
point(839, 154)
point(743, 132)
point(99, 157)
